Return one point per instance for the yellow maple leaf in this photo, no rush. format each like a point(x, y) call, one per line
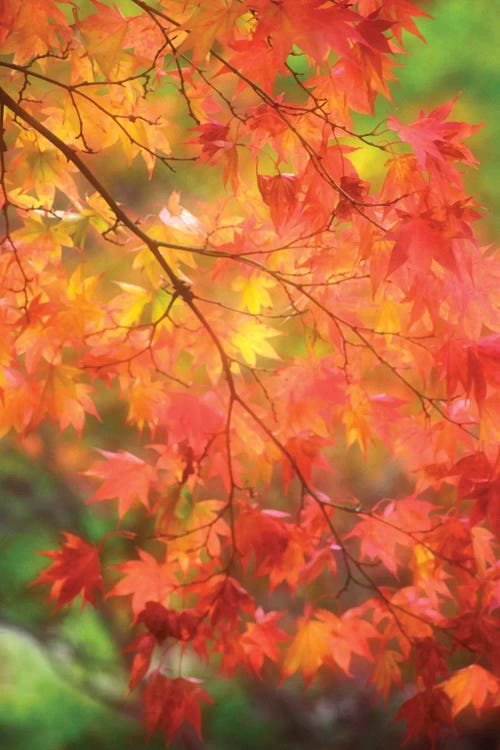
point(251, 340)
point(356, 418)
point(209, 22)
point(43, 168)
point(254, 294)
point(99, 214)
point(388, 321)
point(131, 303)
point(424, 562)
point(309, 649)
point(44, 239)
point(103, 34)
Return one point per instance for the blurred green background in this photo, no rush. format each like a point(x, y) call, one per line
point(63, 678)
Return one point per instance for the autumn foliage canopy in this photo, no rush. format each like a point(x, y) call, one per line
point(271, 305)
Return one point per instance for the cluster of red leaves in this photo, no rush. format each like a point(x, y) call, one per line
point(298, 309)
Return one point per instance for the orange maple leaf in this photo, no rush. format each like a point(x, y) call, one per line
point(387, 671)
point(308, 650)
point(145, 580)
point(125, 476)
point(261, 639)
point(473, 686)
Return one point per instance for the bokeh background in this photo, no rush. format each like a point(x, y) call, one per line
point(63, 678)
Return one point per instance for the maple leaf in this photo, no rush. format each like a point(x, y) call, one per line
point(477, 627)
point(261, 639)
point(194, 419)
point(29, 30)
point(264, 533)
point(178, 218)
point(480, 480)
point(76, 570)
point(350, 635)
point(322, 638)
point(145, 580)
point(435, 141)
point(483, 548)
point(310, 648)
point(353, 189)
point(66, 401)
point(388, 319)
point(167, 623)
point(279, 192)
point(168, 703)
point(430, 661)
point(251, 340)
point(125, 476)
point(356, 418)
point(290, 567)
point(103, 34)
point(418, 241)
point(45, 239)
point(387, 671)
point(309, 24)
point(17, 411)
point(401, 12)
point(130, 304)
point(425, 713)
point(143, 646)
point(305, 451)
point(473, 686)
point(254, 291)
point(378, 542)
point(216, 145)
point(372, 32)
point(225, 598)
point(45, 169)
point(208, 24)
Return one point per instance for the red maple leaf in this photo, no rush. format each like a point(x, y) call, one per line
point(226, 599)
point(435, 141)
point(430, 661)
point(169, 703)
point(76, 570)
point(217, 145)
point(167, 623)
point(143, 646)
point(279, 192)
point(480, 481)
point(425, 713)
